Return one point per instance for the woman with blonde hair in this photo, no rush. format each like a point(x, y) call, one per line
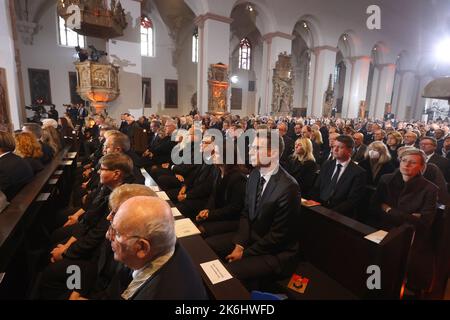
point(302, 165)
point(51, 136)
point(377, 162)
point(394, 142)
point(29, 149)
point(316, 136)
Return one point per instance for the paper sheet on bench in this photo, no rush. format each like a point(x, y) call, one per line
point(216, 271)
point(58, 172)
point(176, 212)
point(162, 195)
point(376, 237)
point(71, 155)
point(185, 227)
point(67, 162)
point(155, 188)
point(43, 197)
point(52, 181)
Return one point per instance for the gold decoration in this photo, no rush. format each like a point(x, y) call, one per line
point(96, 19)
point(218, 88)
point(97, 83)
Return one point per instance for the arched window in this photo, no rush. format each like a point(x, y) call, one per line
point(147, 47)
point(245, 49)
point(67, 37)
point(195, 46)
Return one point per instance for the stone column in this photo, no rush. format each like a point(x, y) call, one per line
point(384, 88)
point(325, 62)
point(274, 43)
point(213, 47)
point(358, 84)
point(125, 51)
point(422, 81)
point(405, 97)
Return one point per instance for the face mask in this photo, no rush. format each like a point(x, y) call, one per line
point(374, 154)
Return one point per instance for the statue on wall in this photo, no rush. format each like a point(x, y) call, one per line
point(329, 98)
point(283, 85)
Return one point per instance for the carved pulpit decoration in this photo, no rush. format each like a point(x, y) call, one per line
point(328, 98)
point(97, 82)
point(97, 18)
point(218, 84)
point(283, 85)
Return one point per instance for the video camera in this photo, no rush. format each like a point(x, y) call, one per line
point(40, 109)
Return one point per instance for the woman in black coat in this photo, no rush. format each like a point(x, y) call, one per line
point(226, 201)
point(406, 197)
point(377, 162)
point(302, 165)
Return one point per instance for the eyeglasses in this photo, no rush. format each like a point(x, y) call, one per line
point(113, 234)
point(404, 161)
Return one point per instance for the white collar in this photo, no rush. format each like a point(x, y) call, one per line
point(345, 163)
point(4, 154)
point(142, 275)
point(267, 172)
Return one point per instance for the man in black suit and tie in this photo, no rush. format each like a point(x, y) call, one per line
point(429, 145)
point(266, 241)
point(360, 148)
point(153, 137)
point(341, 182)
point(446, 148)
point(328, 152)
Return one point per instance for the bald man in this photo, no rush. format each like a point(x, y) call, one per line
point(142, 235)
point(360, 148)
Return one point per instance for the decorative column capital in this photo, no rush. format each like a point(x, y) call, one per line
point(353, 60)
point(318, 50)
point(200, 20)
point(27, 30)
point(269, 36)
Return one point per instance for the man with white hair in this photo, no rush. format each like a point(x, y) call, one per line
point(142, 235)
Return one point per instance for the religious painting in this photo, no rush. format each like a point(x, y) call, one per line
point(5, 119)
point(40, 86)
point(236, 98)
point(171, 93)
point(147, 92)
point(74, 96)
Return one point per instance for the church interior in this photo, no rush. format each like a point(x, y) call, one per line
point(104, 94)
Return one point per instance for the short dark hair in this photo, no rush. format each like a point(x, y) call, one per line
point(270, 135)
point(118, 161)
point(433, 140)
point(34, 128)
point(7, 142)
point(346, 140)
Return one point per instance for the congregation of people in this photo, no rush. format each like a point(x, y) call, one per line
point(380, 173)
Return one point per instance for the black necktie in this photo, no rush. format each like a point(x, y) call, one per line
point(259, 192)
point(333, 183)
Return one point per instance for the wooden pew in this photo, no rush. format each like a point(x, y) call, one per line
point(337, 257)
point(200, 252)
point(20, 220)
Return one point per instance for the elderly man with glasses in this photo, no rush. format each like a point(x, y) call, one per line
point(142, 235)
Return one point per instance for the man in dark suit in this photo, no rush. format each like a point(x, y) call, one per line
point(328, 152)
point(429, 145)
point(360, 148)
point(341, 182)
point(288, 143)
point(153, 137)
point(266, 242)
point(15, 172)
point(446, 148)
point(142, 235)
